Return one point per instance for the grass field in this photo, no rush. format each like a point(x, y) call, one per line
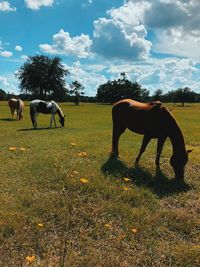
point(50, 217)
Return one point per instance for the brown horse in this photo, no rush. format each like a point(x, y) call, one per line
point(153, 121)
point(18, 105)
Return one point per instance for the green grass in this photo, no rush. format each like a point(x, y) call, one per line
point(91, 224)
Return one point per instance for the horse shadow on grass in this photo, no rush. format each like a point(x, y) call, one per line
point(159, 184)
point(37, 129)
point(8, 119)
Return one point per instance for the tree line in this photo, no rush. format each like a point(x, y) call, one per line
point(44, 77)
point(121, 88)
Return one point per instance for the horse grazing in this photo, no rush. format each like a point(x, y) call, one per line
point(51, 107)
point(18, 105)
point(152, 120)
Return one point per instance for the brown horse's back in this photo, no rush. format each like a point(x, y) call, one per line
point(141, 118)
point(139, 105)
point(12, 102)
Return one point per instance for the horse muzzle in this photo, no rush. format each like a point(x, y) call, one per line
point(179, 174)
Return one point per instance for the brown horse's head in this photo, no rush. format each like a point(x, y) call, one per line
point(178, 163)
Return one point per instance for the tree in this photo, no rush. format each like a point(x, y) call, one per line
point(184, 95)
point(2, 94)
point(157, 95)
point(76, 91)
point(42, 76)
point(115, 90)
point(169, 97)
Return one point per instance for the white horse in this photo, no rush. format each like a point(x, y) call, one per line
point(39, 106)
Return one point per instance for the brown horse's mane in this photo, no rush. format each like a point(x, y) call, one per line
point(175, 134)
point(139, 105)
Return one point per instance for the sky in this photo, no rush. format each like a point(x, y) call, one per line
point(155, 42)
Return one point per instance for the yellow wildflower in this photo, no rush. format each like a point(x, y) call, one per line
point(22, 149)
point(196, 247)
point(12, 148)
point(30, 259)
point(107, 225)
point(126, 179)
point(125, 188)
point(40, 225)
point(84, 181)
point(73, 144)
point(134, 231)
point(82, 154)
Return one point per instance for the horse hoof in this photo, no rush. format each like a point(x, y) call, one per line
point(114, 155)
point(157, 167)
point(136, 164)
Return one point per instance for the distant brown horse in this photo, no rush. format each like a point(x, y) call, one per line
point(153, 121)
point(18, 105)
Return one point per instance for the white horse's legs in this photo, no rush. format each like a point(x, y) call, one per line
point(34, 120)
point(53, 119)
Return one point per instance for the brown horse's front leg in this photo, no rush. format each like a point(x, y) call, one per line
point(161, 141)
point(117, 132)
point(145, 142)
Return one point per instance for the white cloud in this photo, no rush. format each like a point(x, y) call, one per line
point(130, 14)
point(18, 48)
point(6, 53)
point(24, 57)
point(63, 44)
point(164, 14)
point(175, 25)
point(5, 6)
point(9, 83)
point(178, 42)
point(167, 74)
point(37, 4)
point(122, 36)
point(87, 3)
point(3, 81)
point(90, 80)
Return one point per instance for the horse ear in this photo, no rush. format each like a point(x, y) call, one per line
point(190, 150)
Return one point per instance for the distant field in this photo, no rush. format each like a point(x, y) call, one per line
point(55, 219)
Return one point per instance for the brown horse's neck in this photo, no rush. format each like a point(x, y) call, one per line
point(177, 140)
point(176, 137)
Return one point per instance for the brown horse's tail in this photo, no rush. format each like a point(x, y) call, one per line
point(20, 110)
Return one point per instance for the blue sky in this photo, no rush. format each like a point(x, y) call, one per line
point(156, 42)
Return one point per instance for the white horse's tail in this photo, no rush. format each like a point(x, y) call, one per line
point(32, 114)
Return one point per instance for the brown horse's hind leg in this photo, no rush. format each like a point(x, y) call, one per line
point(117, 132)
point(12, 111)
point(160, 144)
point(145, 142)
